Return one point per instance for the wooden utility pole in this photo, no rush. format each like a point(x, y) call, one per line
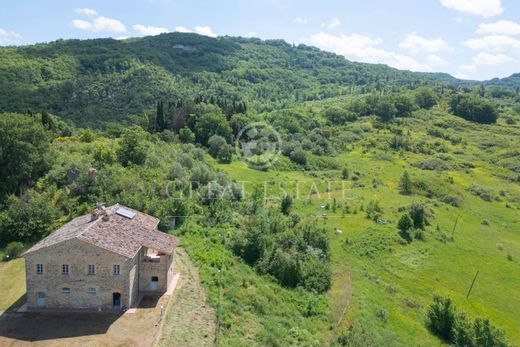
point(472, 284)
point(454, 226)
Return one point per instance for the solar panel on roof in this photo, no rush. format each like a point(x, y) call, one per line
point(125, 213)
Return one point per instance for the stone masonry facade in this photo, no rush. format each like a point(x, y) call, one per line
point(91, 291)
point(76, 274)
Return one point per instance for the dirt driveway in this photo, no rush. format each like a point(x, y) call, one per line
point(83, 329)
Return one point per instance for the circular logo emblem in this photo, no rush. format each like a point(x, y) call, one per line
point(258, 145)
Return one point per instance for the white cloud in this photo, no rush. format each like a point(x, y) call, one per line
point(300, 20)
point(414, 44)
point(99, 23)
point(9, 37)
point(482, 8)
point(149, 30)
point(465, 71)
point(81, 24)
point(364, 48)
point(251, 34)
point(86, 11)
point(435, 60)
point(491, 59)
point(108, 24)
point(334, 23)
point(181, 29)
point(495, 43)
point(205, 30)
point(504, 27)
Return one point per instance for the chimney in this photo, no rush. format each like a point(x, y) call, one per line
point(94, 215)
point(98, 211)
point(106, 215)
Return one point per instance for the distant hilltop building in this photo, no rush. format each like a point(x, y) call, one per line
point(103, 260)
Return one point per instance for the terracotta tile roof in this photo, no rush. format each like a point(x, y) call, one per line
point(117, 234)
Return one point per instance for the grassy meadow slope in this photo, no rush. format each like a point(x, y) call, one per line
point(387, 286)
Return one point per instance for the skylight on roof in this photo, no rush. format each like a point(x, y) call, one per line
point(125, 213)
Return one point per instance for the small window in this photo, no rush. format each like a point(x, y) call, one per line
point(65, 290)
point(91, 269)
point(39, 268)
point(116, 270)
point(65, 269)
point(91, 290)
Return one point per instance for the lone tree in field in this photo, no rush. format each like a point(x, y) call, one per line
point(405, 184)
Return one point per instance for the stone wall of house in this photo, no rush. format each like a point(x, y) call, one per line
point(133, 280)
point(78, 255)
point(149, 269)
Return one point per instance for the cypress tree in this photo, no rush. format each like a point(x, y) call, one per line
point(159, 118)
point(45, 119)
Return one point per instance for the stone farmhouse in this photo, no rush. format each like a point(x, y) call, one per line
point(101, 261)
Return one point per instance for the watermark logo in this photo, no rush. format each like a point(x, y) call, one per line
point(258, 145)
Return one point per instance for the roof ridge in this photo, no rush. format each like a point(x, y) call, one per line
point(92, 222)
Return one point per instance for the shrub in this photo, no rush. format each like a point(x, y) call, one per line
point(382, 314)
point(457, 329)
point(167, 135)
point(462, 331)
point(382, 106)
point(13, 250)
point(441, 318)
point(207, 125)
point(315, 274)
point(356, 336)
point(87, 135)
point(344, 173)
point(133, 149)
point(418, 215)
point(404, 225)
point(425, 97)
point(216, 143)
point(186, 135)
point(405, 184)
point(482, 192)
point(298, 156)
point(27, 218)
point(176, 172)
point(336, 115)
point(286, 204)
point(420, 235)
point(474, 108)
point(404, 105)
point(486, 335)
point(225, 154)
point(433, 164)
point(373, 210)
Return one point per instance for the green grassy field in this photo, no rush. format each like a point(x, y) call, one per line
point(12, 283)
point(376, 276)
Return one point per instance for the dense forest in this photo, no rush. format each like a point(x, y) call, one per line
point(103, 80)
point(152, 123)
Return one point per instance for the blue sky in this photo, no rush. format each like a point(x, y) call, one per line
point(477, 39)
